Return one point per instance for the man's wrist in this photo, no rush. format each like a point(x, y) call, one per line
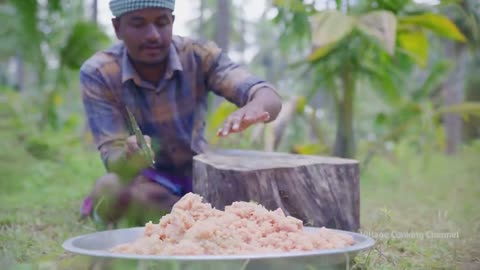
point(257, 90)
point(267, 99)
point(126, 165)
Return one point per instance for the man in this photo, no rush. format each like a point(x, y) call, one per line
point(163, 81)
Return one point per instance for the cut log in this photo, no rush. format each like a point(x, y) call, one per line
point(320, 191)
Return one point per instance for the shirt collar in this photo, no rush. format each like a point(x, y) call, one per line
point(129, 72)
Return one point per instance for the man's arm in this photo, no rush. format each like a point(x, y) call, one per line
point(258, 100)
point(108, 127)
point(264, 104)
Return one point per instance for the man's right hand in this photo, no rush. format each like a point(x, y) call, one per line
point(130, 160)
point(132, 146)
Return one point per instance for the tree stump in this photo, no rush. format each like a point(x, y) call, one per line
point(320, 191)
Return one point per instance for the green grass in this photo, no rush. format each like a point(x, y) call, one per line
point(403, 191)
point(407, 195)
point(40, 198)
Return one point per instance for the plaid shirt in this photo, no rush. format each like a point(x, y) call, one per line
point(173, 112)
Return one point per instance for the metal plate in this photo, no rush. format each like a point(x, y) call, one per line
point(98, 244)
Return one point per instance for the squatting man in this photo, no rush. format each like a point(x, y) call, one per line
point(162, 80)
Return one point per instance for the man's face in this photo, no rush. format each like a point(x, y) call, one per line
point(147, 34)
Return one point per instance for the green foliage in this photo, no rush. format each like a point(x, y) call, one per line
point(472, 93)
point(293, 5)
point(55, 5)
point(414, 115)
point(440, 25)
point(380, 25)
point(366, 43)
point(394, 6)
point(415, 45)
point(24, 30)
point(40, 150)
point(293, 20)
point(435, 78)
point(466, 108)
point(83, 41)
point(216, 119)
point(310, 149)
point(329, 27)
point(50, 40)
point(466, 15)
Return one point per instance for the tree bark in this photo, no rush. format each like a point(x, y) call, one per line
point(471, 127)
point(453, 92)
point(201, 23)
point(222, 34)
point(19, 72)
point(279, 126)
point(320, 191)
point(95, 11)
point(243, 43)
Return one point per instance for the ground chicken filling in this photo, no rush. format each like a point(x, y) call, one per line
point(195, 228)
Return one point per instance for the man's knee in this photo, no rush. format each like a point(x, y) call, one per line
point(110, 198)
point(107, 185)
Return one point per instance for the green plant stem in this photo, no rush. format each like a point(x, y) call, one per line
point(344, 141)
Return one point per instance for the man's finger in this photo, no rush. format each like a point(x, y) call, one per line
point(249, 118)
point(132, 145)
point(252, 119)
point(245, 122)
point(226, 127)
point(265, 116)
point(237, 122)
point(148, 140)
point(232, 124)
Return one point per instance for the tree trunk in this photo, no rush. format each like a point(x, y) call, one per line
point(243, 41)
point(471, 127)
point(279, 126)
point(320, 191)
point(19, 72)
point(453, 90)
point(95, 11)
point(201, 23)
point(222, 33)
point(344, 140)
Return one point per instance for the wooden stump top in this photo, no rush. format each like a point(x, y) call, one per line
point(249, 160)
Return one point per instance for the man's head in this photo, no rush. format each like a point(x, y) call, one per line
point(145, 26)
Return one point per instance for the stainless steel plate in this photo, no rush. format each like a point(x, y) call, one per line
point(98, 244)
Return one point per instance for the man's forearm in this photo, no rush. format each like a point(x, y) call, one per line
point(269, 100)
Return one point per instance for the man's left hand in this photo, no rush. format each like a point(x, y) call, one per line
point(243, 118)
